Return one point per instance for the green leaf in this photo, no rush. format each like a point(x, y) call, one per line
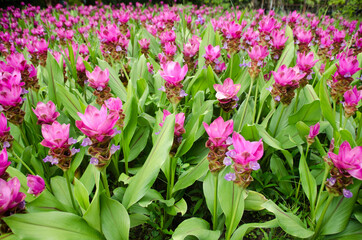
point(339, 212)
point(51, 226)
point(93, 213)
point(179, 207)
point(278, 169)
point(246, 228)
point(81, 195)
point(228, 200)
point(146, 176)
point(309, 113)
point(326, 105)
point(195, 227)
point(191, 175)
point(45, 202)
point(209, 193)
point(267, 138)
point(309, 183)
point(60, 191)
point(9, 236)
point(54, 75)
point(71, 103)
point(13, 172)
point(115, 219)
point(290, 223)
point(353, 231)
point(138, 142)
point(254, 201)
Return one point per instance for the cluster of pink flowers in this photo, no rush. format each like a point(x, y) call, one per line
point(98, 80)
point(191, 52)
point(211, 56)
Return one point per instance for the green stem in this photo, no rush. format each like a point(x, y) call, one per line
point(359, 127)
point(345, 123)
point(231, 65)
point(246, 105)
point(325, 175)
point(256, 100)
point(105, 181)
point(124, 71)
point(259, 111)
point(229, 230)
point(171, 178)
point(296, 100)
point(22, 162)
point(70, 189)
point(340, 114)
point(214, 221)
point(320, 220)
point(25, 139)
point(280, 117)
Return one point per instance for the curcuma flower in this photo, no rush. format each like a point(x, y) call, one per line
point(257, 55)
point(56, 137)
point(286, 81)
point(226, 94)
point(218, 142)
point(305, 63)
point(98, 80)
point(347, 164)
point(178, 131)
point(173, 74)
point(313, 132)
point(98, 125)
point(211, 54)
point(245, 156)
point(351, 99)
point(11, 198)
point(114, 105)
point(46, 113)
point(36, 184)
point(4, 163)
point(5, 137)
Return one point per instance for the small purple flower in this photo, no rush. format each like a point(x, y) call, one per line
point(309, 77)
point(6, 144)
point(347, 193)
point(100, 89)
point(156, 133)
point(114, 148)
point(118, 131)
point(254, 165)
point(277, 98)
point(183, 93)
point(229, 141)
point(51, 159)
point(118, 48)
point(72, 141)
point(74, 151)
point(269, 88)
point(347, 75)
point(86, 142)
point(163, 89)
point(331, 181)
point(230, 177)
point(276, 56)
point(227, 161)
point(94, 161)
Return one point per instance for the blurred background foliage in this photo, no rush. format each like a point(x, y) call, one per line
point(347, 8)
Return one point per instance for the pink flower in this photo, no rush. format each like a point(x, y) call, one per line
point(4, 163)
point(304, 36)
point(4, 129)
point(347, 66)
point(278, 39)
point(352, 97)
point(114, 104)
point(267, 25)
point(10, 195)
point(338, 36)
point(219, 130)
point(348, 159)
point(55, 135)
point(41, 46)
point(173, 73)
point(314, 130)
point(17, 61)
point(144, 43)
point(46, 113)
point(258, 53)
point(232, 30)
point(305, 61)
point(98, 79)
point(179, 122)
point(97, 124)
point(36, 184)
point(170, 49)
point(10, 96)
point(246, 153)
point(212, 53)
point(287, 76)
point(226, 92)
point(190, 49)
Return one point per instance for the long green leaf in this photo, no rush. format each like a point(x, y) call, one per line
point(146, 176)
point(51, 226)
point(195, 227)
